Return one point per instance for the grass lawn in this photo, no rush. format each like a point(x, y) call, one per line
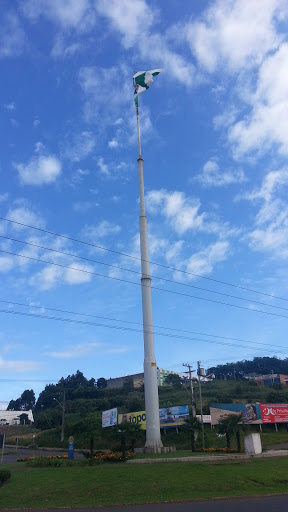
point(110, 484)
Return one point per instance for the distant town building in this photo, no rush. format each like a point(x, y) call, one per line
point(162, 374)
point(137, 379)
point(272, 378)
point(13, 417)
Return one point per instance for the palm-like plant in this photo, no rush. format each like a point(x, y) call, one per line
point(193, 426)
point(230, 426)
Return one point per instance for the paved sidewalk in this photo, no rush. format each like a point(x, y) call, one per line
point(235, 457)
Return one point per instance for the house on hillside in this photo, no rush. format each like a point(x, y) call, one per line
point(13, 417)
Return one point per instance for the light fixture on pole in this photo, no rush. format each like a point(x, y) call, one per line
point(141, 81)
point(63, 415)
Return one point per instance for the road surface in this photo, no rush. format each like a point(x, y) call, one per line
point(263, 504)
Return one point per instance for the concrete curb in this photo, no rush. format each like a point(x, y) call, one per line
point(212, 458)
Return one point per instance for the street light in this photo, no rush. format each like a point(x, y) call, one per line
point(63, 415)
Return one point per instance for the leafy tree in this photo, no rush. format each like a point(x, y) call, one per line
point(259, 365)
point(128, 385)
point(173, 380)
point(24, 403)
point(134, 402)
point(101, 383)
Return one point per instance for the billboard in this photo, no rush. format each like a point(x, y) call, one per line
point(173, 416)
point(138, 418)
point(109, 418)
point(248, 413)
point(274, 413)
point(169, 417)
point(206, 418)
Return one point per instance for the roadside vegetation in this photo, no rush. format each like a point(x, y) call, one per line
point(86, 399)
point(81, 485)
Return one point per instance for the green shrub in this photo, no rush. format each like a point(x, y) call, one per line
point(4, 475)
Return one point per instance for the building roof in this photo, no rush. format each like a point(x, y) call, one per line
point(10, 415)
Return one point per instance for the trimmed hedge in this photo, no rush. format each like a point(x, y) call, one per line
point(4, 475)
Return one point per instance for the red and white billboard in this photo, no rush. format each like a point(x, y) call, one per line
point(274, 413)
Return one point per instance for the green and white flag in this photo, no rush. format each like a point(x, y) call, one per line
point(142, 80)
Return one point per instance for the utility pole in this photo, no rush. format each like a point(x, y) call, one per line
point(153, 436)
point(193, 405)
point(63, 415)
point(200, 399)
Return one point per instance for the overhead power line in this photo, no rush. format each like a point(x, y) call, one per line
point(120, 328)
point(139, 284)
point(90, 260)
point(229, 338)
point(139, 259)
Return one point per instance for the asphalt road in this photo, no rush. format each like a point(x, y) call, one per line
point(11, 455)
point(266, 504)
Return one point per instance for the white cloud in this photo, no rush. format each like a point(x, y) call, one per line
point(82, 275)
point(104, 228)
point(269, 233)
point(6, 263)
point(19, 366)
point(63, 49)
point(266, 124)
point(182, 212)
point(70, 14)
point(25, 215)
point(83, 206)
point(80, 146)
point(202, 262)
point(86, 349)
point(103, 167)
point(156, 48)
point(101, 99)
point(12, 36)
point(113, 144)
point(130, 18)
point(40, 170)
point(10, 106)
point(52, 276)
point(3, 197)
point(213, 176)
point(236, 34)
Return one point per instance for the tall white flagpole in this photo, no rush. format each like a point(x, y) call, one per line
point(153, 436)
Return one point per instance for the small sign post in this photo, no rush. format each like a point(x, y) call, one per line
point(71, 448)
point(2, 444)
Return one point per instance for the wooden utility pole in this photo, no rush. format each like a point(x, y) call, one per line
point(193, 405)
point(200, 399)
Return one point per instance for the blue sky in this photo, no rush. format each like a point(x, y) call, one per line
point(215, 145)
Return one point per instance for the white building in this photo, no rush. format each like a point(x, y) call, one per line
point(13, 417)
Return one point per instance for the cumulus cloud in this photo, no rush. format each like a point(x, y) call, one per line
point(203, 262)
point(12, 36)
point(101, 230)
point(213, 176)
point(182, 212)
point(80, 146)
point(24, 215)
point(269, 233)
point(236, 33)
point(156, 49)
point(266, 124)
point(51, 276)
point(71, 14)
point(41, 169)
